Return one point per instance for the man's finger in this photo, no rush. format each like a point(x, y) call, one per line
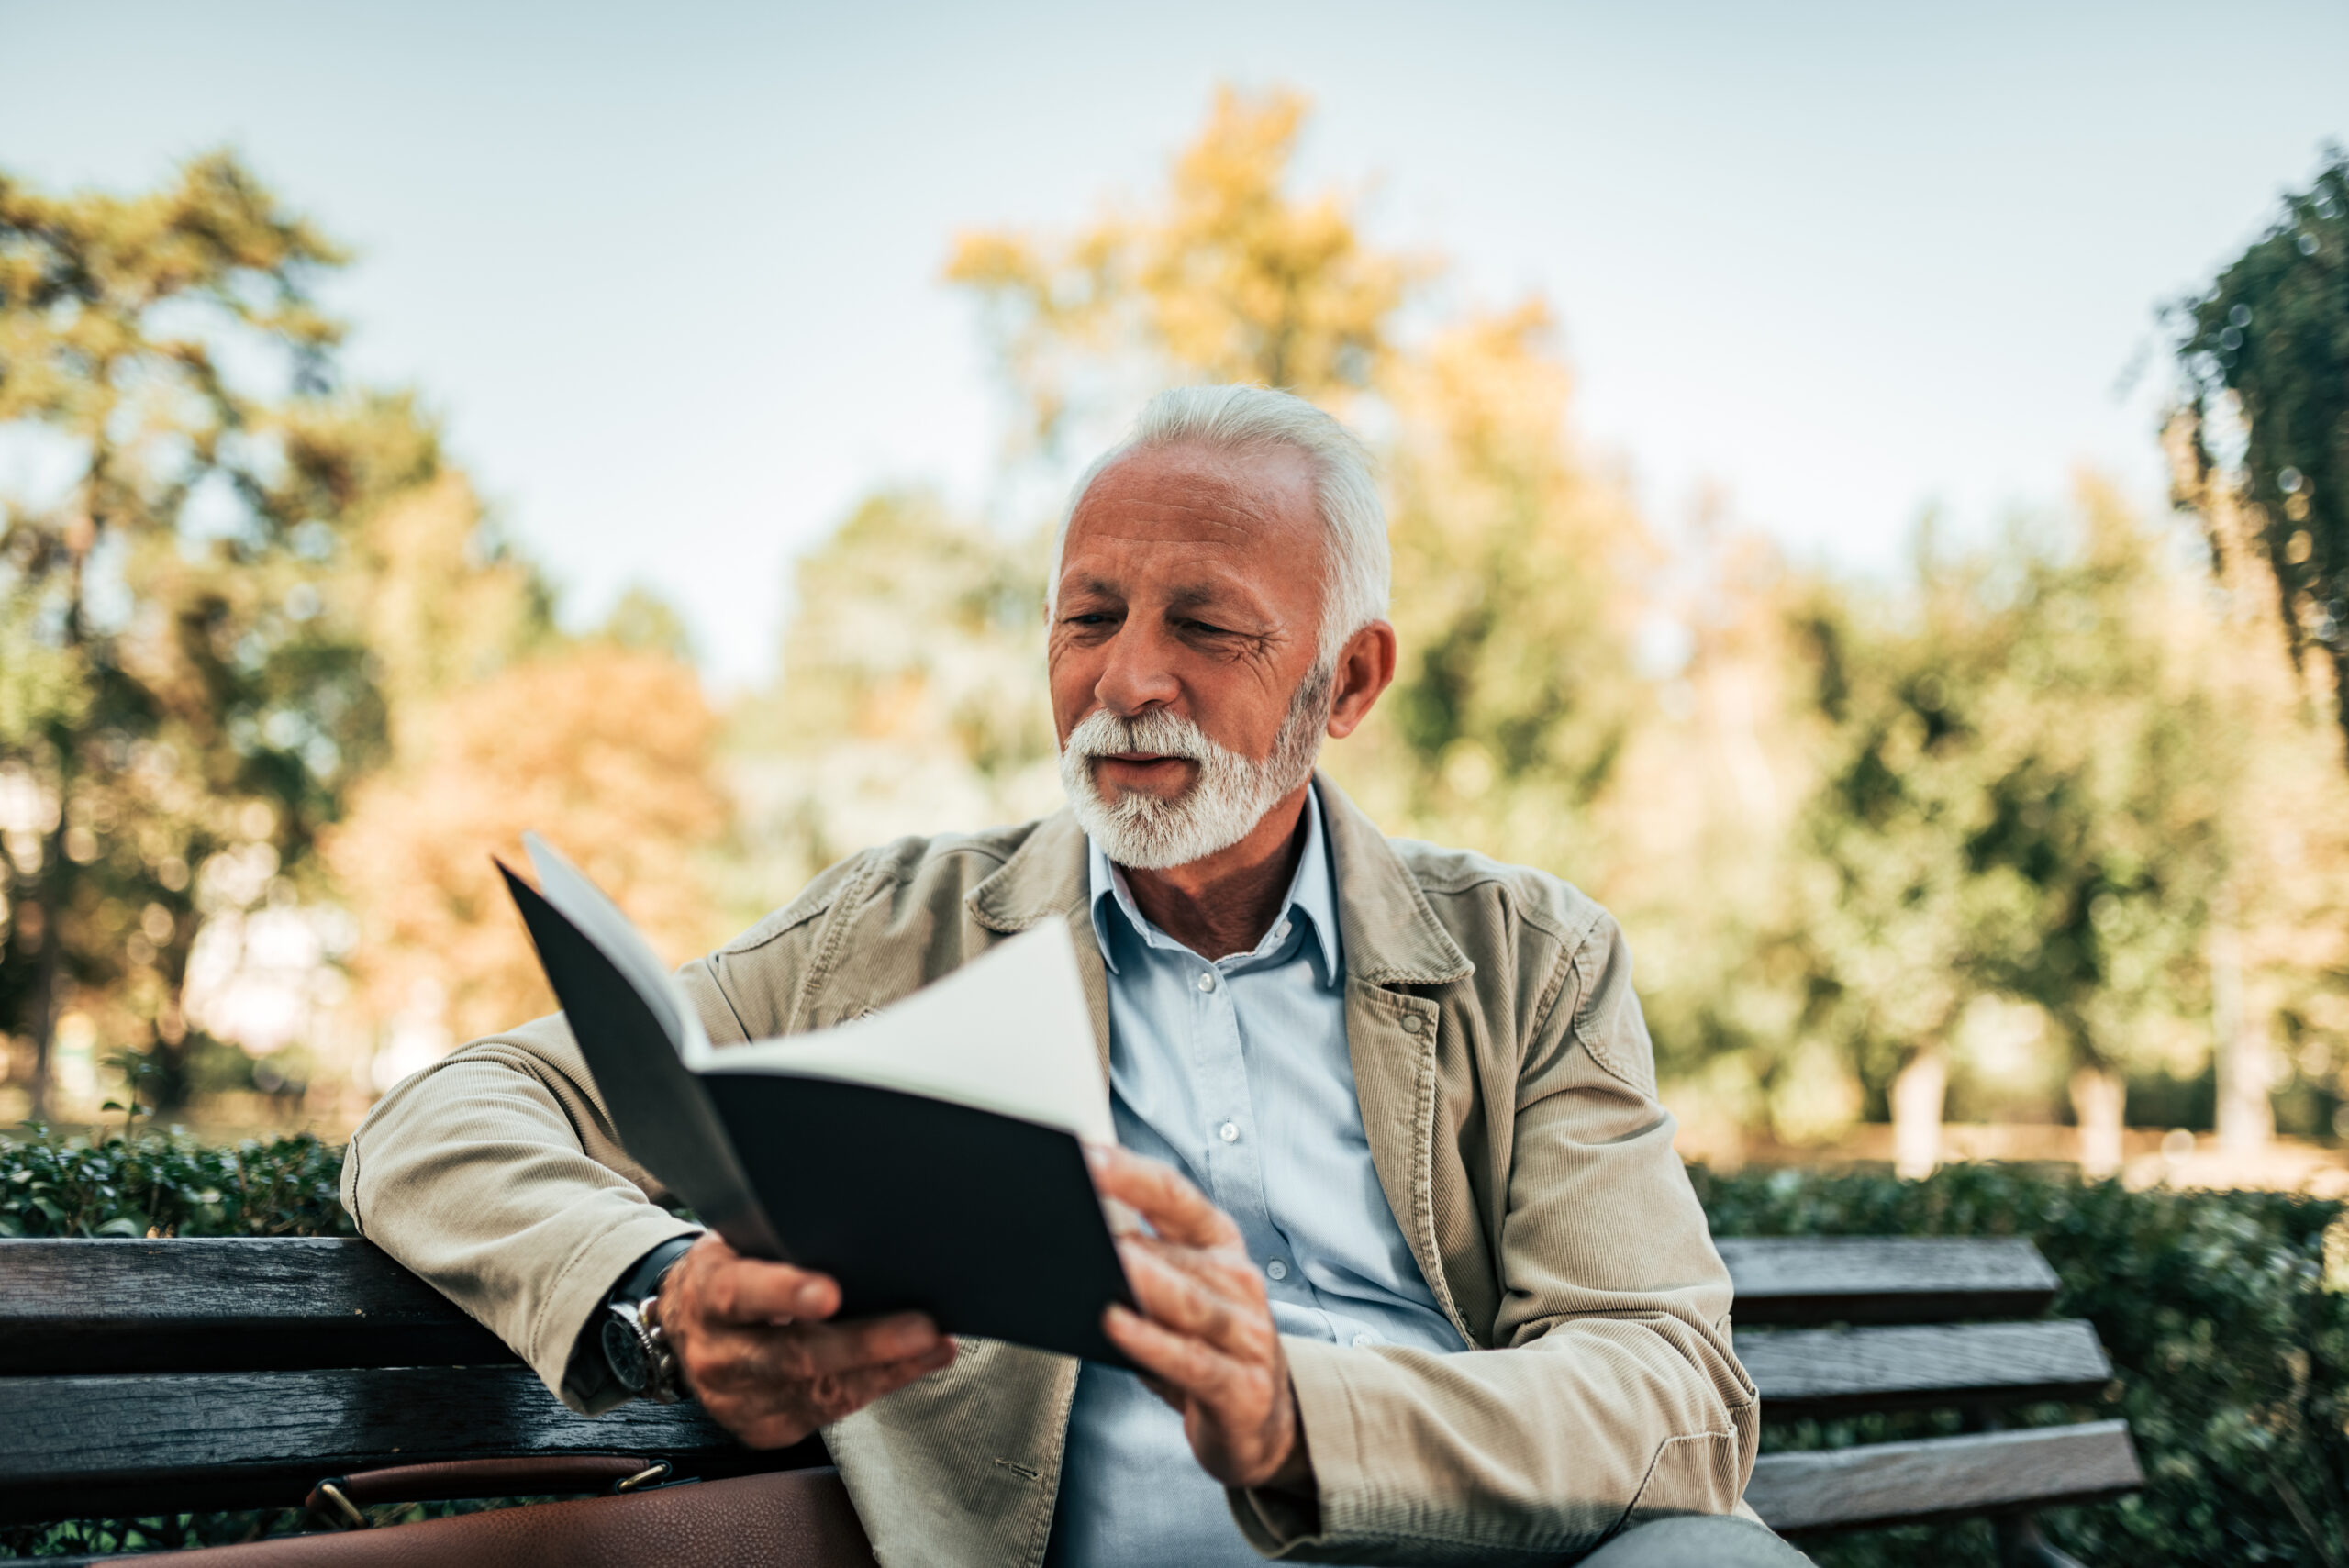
point(748, 1360)
point(1175, 1208)
point(1193, 1300)
point(773, 1416)
point(832, 1349)
point(844, 1395)
point(1188, 1364)
point(751, 1290)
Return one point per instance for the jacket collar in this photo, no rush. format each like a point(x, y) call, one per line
point(1390, 936)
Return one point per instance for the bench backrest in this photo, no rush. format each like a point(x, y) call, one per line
point(232, 1373)
point(201, 1375)
point(1838, 1326)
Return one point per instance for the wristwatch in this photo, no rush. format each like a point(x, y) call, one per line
point(635, 1352)
point(640, 1356)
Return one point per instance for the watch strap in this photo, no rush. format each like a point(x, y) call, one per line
point(643, 1276)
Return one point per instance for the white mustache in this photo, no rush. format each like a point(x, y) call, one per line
point(1104, 734)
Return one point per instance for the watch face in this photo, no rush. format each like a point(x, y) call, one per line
point(624, 1353)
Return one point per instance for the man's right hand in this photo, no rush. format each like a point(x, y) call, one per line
point(754, 1343)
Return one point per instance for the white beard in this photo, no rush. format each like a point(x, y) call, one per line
point(1224, 803)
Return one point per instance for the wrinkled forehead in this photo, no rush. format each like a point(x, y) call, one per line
point(1250, 513)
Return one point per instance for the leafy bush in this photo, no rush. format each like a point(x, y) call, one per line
point(168, 1185)
point(2228, 1338)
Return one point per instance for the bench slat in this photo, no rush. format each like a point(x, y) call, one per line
point(1893, 1279)
point(1943, 1478)
point(156, 1443)
point(286, 1303)
point(224, 1304)
point(1825, 1372)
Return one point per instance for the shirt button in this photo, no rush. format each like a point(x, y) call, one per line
point(1227, 1132)
point(1207, 980)
point(1364, 1341)
point(1277, 1269)
point(1280, 932)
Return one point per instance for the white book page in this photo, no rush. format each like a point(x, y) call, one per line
point(599, 919)
point(1007, 1032)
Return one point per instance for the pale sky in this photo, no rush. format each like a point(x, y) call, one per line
point(670, 274)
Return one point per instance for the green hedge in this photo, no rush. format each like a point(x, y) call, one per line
point(2229, 1341)
point(170, 1185)
point(2230, 1351)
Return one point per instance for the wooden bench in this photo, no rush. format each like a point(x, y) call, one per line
point(146, 1377)
point(1841, 1326)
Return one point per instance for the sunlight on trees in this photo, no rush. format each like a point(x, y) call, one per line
point(912, 698)
point(175, 691)
point(606, 750)
point(241, 599)
point(2054, 824)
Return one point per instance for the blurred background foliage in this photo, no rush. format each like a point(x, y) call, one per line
point(2051, 828)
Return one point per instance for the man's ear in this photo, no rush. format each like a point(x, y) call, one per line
point(1365, 668)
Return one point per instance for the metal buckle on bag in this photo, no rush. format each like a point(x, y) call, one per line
point(650, 1476)
point(351, 1517)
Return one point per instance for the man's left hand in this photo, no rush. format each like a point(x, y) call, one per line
point(1204, 1337)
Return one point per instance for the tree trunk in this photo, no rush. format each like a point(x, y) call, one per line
point(2097, 1097)
point(1917, 1097)
point(52, 954)
point(81, 537)
point(2246, 1070)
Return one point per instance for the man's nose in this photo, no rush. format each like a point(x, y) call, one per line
point(1137, 674)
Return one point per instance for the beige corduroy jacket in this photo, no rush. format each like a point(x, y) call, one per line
point(1508, 1093)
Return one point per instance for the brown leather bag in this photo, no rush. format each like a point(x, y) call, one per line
point(785, 1518)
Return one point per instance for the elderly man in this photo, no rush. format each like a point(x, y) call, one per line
point(1423, 1280)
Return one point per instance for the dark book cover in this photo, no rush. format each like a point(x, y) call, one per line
point(987, 1222)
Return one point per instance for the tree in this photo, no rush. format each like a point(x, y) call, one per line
point(912, 695)
point(175, 692)
point(605, 748)
point(1231, 280)
point(2039, 778)
point(1516, 697)
point(2266, 347)
point(2280, 944)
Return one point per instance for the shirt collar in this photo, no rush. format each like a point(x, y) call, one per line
point(1312, 892)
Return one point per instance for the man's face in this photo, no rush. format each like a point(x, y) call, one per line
point(1191, 584)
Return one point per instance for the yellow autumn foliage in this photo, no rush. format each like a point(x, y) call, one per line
point(604, 750)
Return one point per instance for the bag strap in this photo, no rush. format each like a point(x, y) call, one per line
point(342, 1498)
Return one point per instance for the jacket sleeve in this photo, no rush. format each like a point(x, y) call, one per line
point(1611, 1392)
point(497, 1176)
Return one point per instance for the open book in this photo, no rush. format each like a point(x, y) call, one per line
point(926, 1156)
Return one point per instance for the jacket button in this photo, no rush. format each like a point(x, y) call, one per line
point(1412, 1023)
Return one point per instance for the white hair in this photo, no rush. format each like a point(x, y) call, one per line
point(1242, 419)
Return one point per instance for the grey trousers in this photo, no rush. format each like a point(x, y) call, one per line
point(1696, 1540)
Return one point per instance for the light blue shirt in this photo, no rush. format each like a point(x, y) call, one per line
point(1235, 1073)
